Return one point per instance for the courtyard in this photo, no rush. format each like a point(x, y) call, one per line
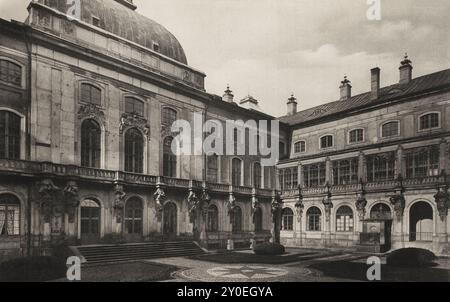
point(297, 265)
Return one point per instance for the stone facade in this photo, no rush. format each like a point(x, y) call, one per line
point(61, 201)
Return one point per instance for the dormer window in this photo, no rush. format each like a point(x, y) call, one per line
point(96, 21)
point(326, 142)
point(155, 46)
point(390, 129)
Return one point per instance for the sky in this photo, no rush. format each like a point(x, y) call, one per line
point(272, 48)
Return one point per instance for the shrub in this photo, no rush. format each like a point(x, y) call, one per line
point(410, 257)
point(32, 269)
point(269, 249)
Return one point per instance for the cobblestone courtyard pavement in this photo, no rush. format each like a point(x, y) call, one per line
point(204, 271)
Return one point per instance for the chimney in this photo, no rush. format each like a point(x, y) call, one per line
point(228, 96)
point(405, 70)
point(375, 83)
point(346, 89)
point(292, 105)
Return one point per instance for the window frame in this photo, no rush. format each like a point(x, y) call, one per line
point(317, 222)
point(100, 145)
point(237, 213)
point(135, 100)
point(212, 226)
point(350, 228)
point(137, 169)
point(287, 220)
point(398, 122)
point(91, 85)
point(16, 204)
point(164, 119)
point(304, 147)
point(328, 147)
point(419, 121)
point(170, 160)
point(363, 140)
point(23, 69)
point(257, 183)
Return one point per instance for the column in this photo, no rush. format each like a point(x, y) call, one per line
point(328, 171)
point(443, 155)
point(400, 167)
point(362, 167)
point(300, 174)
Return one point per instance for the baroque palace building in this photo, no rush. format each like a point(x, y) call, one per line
point(369, 172)
point(86, 108)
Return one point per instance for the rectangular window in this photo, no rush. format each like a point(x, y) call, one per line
point(314, 175)
point(288, 178)
point(356, 136)
point(10, 73)
point(380, 167)
point(390, 129)
point(422, 162)
point(345, 172)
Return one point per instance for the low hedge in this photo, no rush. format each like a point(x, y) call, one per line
point(410, 257)
point(32, 269)
point(269, 249)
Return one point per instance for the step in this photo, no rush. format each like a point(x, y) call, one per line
point(136, 253)
point(141, 257)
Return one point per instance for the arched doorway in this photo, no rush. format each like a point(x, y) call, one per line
point(89, 221)
point(133, 220)
point(421, 222)
point(382, 212)
point(170, 220)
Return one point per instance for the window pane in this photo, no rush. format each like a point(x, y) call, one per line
point(90, 94)
point(10, 72)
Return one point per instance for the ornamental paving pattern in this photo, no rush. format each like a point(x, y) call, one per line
point(203, 271)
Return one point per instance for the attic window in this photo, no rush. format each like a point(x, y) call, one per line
point(96, 21)
point(155, 46)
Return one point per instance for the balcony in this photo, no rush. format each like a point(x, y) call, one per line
point(370, 187)
point(44, 169)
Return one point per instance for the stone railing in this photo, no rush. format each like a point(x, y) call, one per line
point(378, 186)
point(46, 169)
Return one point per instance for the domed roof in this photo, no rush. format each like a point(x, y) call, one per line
point(119, 18)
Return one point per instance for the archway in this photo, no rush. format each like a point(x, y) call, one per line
point(89, 221)
point(421, 222)
point(170, 220)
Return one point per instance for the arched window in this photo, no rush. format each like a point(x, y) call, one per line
point(300, 147)
point(380, 211)
point(134, 106)
point(213, 173)
point(258, 220)
point(169, 116)
point(326, 141)
point(314, 216)
point(134, 151)
point(91, 94)
point(429, 121)
point(356, 136)
point(90, 144)
point(169, 159)
point(212, 220)
point(9, 215)
point(10, 72)
point(287, 219)
point(344, 219)
point(390, 129)
point(236, 172)
point(9, 135)
point(257, 177)
point(237, 220)
point(133, 216)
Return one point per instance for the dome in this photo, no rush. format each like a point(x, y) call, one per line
point(120, 18)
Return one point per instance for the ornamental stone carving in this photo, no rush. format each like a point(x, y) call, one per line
point(119, 201)
point(328, 203)
point(398, 199)
point(47, 191)
point(91, 111)
point(159, 196)
point(442, 199)
point(193, 205)
point(130, 121)
point(361, 201)
point(72, 199)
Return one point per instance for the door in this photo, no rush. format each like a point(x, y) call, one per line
point(90, 222)
point(133, 220)
point(170, 220)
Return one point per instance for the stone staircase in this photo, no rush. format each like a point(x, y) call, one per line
point(100, 254)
